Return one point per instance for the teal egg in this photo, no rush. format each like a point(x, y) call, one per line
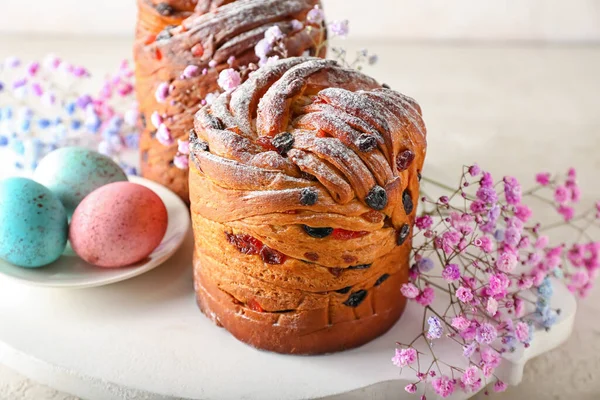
point(74, 172)
point(33, 223)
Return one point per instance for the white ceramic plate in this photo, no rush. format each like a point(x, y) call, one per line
point(69, 271)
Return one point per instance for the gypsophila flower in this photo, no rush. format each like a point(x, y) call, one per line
point(273, 34)
point(470, 376)
point(543, 178)
point(474, 170)
point(339, 28)
point(425, 265)
point(499, 386)
point(424, 222)
point(464, 294)
point(229, 79)
point(451, 273)
point(486, 333)
point(460, 323)
point(162, 91)
point(507, 262)
point(296, 25)
point(183, 146)
point(435, 328)
point(412, 388)
point(561, 194)
point(492, 306)
point(181, 161)
point(163, 135)
point(315, 15)
point(469, 349)
point(443, 386)
point(409, 291)
point(567, 212)
point(404, 357)
point(191, 71)
point(426, 297)
point(512, 190)
point(522, 332)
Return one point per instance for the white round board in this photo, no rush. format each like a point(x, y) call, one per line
point(70, 271)
point(145, 338)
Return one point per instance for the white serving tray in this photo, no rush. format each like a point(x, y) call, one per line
point(146, 339)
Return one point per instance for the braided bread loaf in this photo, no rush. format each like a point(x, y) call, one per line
point(303, 185)
point(174, 34)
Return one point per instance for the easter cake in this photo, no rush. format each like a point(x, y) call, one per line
point(303, 186)
point(180, 49)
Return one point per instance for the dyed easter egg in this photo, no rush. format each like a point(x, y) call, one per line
point(118, 224)
point(33, 223)
point(74, 172)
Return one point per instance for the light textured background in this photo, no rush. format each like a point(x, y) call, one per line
point(530, 20)
point(514, 109)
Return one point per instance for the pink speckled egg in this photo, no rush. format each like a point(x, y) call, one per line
point(118, 224)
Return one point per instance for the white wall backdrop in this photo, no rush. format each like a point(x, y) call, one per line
point(532, 20)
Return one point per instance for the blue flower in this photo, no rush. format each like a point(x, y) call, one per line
point(70, 108)
point(25, 125)
point(75, 124)
point(549, 317)
point(18, 147)
point(132, 141)
point(545, 290)
point(3, 141)
point(44, 123)
point(435, 328)
point(425, 265)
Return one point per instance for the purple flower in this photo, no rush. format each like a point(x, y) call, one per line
point(498, 285)
point(372, 59)
point(486, 333)
point(499, 386)
point(339, 28)
point(181, 161)
point(470, 376)
point(163, 135)
point(512, 190)
point(263, 48)
point(512, 236)
point(315, 16)
point(411, 388)
point(523, 212)
point(409, 290)
point(567, 212)
point(435, 328)
point(274, 34)
point(183, 146)
point(191, 71)
point(487, 180)
point(404, 357)
point(449, 240)
point(36, 88)
point(451, 273)
point(424, 222)
point(297, 25)
point(212, 64)
point(425, 265)
point(469, 349)
point(426, 297)
point(543, 178)
point(561, 194)
point(162, 91)
point(229, 79)
point(464, 294)
point(33, 68)
point(474, 170)
point(460, 323)
point(492, 306)
point(156, 119)
point(487, 195)
point(522, 332)
point(443, 386)
point(12, 62)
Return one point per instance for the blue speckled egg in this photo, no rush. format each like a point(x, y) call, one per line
point(74, 172)
point(33, 223)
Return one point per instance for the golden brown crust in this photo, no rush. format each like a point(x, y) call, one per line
point(171, 35)
point(303, 185)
